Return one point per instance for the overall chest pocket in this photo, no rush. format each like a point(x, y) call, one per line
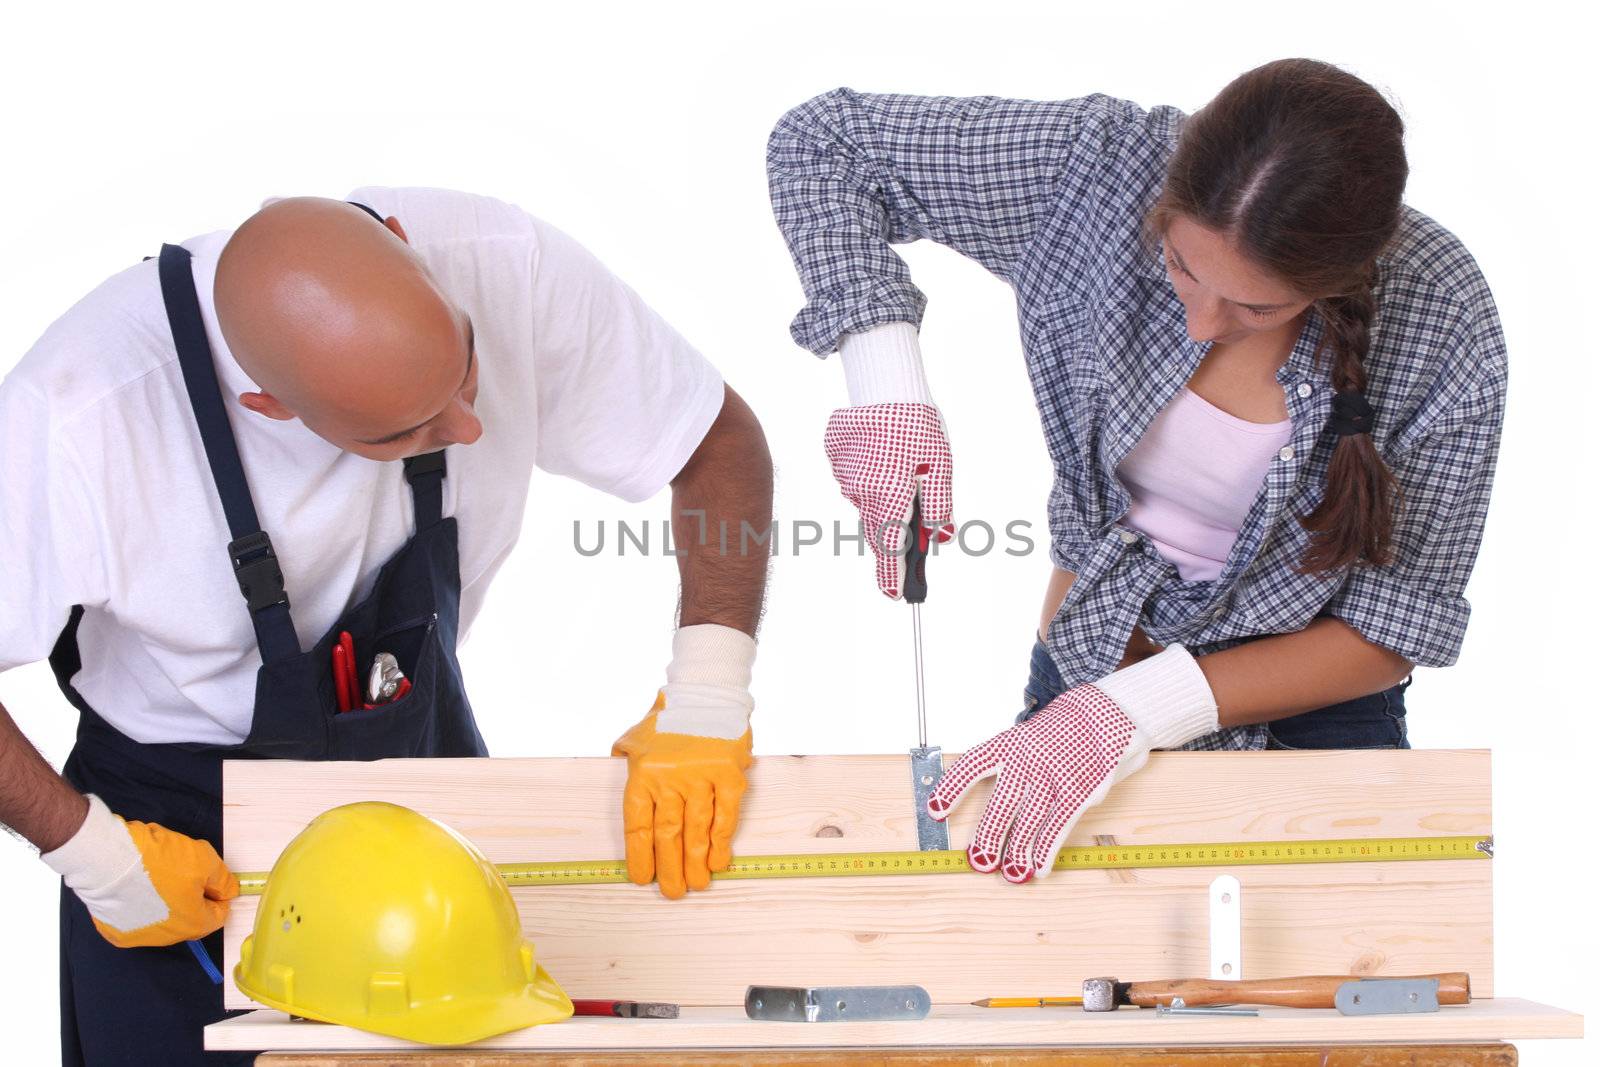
point(404, 726)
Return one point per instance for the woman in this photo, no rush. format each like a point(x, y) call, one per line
point(1272, 394)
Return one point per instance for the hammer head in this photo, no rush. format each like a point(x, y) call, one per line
point(1100, 994)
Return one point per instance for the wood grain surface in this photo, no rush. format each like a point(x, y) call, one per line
point(962, 936)
point(1495, 1055)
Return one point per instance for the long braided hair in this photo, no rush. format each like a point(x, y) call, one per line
point(1302, 165)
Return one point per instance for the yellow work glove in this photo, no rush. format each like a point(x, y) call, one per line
point(686, 762)
point(142, 883)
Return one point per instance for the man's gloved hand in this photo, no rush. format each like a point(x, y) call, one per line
point(686, 762)
point(1064, 759)
point(881, 455)
point(142, 883)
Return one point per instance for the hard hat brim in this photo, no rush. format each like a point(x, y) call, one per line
point(457, 1021)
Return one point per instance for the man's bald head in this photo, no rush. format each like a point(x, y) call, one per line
point(338, 322)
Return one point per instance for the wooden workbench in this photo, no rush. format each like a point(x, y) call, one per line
point(961, 936)
point(976, 1031)
point(1496, 1055)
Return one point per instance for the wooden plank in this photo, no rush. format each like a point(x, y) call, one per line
point(1495, 1055)
point(961, 936)
point(953, 1026)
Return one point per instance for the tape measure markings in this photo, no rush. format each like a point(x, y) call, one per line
point(1088, 857)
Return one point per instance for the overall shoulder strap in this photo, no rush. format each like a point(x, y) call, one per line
point(255, 565)
point(426, 475)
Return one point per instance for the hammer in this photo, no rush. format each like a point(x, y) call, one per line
point(1314, 991)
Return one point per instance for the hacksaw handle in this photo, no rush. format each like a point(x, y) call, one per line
point(1310, 991)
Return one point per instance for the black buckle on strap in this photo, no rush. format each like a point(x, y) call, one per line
point(424, 465)
point(255, 566)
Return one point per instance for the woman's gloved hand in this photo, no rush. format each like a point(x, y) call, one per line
point(882, 456)
point(890, 444)
point(1067, 756)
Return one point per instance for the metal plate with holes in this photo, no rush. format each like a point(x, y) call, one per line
point(1226, 909)
point(927, 767)
point(835, 1004)
point(1387, 996)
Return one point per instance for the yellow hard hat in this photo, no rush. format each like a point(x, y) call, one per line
point(380, 918)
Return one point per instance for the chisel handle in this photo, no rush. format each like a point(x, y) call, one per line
point(1310, 991)
point(916, 584)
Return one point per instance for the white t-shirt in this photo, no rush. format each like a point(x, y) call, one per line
point(106, 499)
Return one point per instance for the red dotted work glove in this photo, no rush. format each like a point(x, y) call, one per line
point(1062, 760)
point(881, 455)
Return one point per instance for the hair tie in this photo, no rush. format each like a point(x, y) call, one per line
point(1351, 413)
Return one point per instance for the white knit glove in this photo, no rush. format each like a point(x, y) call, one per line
point(883, 365)
point(708, 682)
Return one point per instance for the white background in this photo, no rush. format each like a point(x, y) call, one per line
point(642, 133)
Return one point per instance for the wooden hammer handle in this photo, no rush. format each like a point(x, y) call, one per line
point(1311, 991)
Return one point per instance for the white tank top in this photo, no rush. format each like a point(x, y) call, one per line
point(1193, 477)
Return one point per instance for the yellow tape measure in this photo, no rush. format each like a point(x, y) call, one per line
point(1084, 858)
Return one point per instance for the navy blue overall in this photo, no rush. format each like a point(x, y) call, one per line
point(148, 1005)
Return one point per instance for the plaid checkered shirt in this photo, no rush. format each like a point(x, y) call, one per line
point(1049, 196)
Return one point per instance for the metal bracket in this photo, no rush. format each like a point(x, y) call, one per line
point(1387, 996)
point(1178, 1007)
point(1227, 963)
point(927, 767)
point(837, 1004)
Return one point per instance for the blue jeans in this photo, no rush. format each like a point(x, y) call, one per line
point(1377, 720)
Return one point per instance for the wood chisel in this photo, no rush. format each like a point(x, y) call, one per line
point(1312, 991)
point(927, 762)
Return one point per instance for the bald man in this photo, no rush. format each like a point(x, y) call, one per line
point(234, 475)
